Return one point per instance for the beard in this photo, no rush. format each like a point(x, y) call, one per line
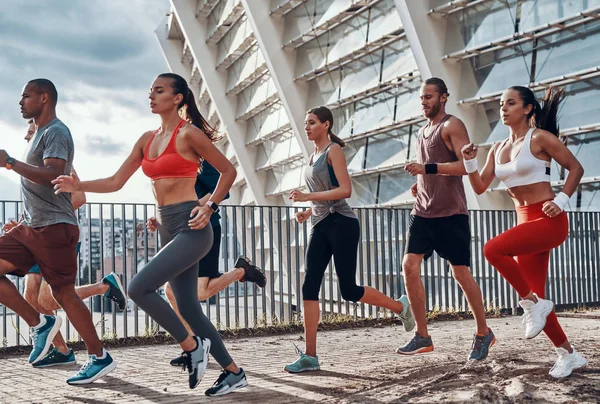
point(433, 111)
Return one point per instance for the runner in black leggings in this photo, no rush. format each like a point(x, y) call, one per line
point(169, 156)
point(335, 232)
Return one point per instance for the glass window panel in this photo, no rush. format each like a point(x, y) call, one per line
point(279, 148)
point(266, 122)
point(364, 189)
point(361, 75)
point(569, 57)
point(580, 107)
point(255, 94)
point(500, 76)
point(398, 62)
point(376, 114)
point(395, 187)
point(409, 106)
point(343, 119)
point(388, 149)
point(325, 89)
point(345, 38)
point(355, 155)
point(590, 199)
point(586, 148)
point(482, 24)
point(384, 19)
point(244, 66)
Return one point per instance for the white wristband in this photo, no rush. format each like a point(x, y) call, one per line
point(561, 200)
point(470, 165)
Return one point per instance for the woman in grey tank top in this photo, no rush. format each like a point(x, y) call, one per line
point(335, 231)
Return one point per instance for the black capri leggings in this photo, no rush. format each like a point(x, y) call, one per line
point(335, 235)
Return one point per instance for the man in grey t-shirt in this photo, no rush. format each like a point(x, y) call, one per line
point(48, 235)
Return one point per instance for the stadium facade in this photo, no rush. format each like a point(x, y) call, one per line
point(256, 66)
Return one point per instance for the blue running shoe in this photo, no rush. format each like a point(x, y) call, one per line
point(41, 338)
point(93, 369)
point(116, 291)
point(416, 345)
point(481, 346)
point(304, 363)
point(56, 358)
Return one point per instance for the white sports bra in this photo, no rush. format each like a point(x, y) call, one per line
point(524, 169)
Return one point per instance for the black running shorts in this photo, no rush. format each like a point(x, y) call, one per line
point(449, 236)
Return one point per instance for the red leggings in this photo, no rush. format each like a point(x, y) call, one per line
point(522, 256)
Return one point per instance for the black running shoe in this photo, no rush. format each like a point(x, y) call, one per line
point(227, 382)
point(177, 362)
point(195, 361)
point(252, 273)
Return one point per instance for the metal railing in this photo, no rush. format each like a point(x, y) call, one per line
point(114, 238)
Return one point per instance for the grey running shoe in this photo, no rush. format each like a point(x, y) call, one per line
point(481, 346)
point(416, 345)
point(227, 383)
point(196, 361)
point(406, 316)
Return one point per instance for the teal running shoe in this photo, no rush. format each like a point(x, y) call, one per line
point(407, 318)
point(304, 363)
point(56, 358)
point(93, 369)
point(116, 291)
point(41, 338)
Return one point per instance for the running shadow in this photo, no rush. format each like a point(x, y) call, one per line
point(333, 393)
point(129, 390)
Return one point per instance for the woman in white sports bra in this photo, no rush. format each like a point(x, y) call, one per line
point(521, 254)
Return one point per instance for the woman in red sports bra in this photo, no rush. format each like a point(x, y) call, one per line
point(522, 254)
point(170, 156)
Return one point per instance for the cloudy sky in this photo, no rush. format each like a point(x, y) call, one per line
point(102, 56)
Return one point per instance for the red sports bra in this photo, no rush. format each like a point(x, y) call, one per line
point(168, 164)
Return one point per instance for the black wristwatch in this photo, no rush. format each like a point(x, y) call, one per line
point(10, 162)
point(213, 206)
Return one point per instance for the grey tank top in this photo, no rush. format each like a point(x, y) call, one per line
point(318, 179)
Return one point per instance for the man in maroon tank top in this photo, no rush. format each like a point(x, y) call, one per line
point(440, 220)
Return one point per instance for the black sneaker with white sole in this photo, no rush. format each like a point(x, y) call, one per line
point(177, 362)
point(196, 361)
point(228, 382)
point(252, 273)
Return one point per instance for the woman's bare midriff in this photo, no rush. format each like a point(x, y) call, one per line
point(169, 191)
point(531, 194)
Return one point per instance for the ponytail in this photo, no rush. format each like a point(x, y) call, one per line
point(336, 139)
point(547, 116)
point(188, 109)
point(324, 114)
point(543, 116)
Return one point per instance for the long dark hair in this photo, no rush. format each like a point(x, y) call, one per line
point(324, 114)
point(188, 104)
point(544, 116)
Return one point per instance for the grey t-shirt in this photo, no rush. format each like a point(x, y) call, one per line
point(41, 206)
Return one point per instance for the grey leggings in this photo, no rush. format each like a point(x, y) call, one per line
point(177, 263)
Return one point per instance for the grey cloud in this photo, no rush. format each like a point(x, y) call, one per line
point(106, 45)
point(102, 145)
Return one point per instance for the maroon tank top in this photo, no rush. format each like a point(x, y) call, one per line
point(438, 195)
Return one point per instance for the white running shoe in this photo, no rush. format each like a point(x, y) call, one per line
point(534, 315)
point(567, 363)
